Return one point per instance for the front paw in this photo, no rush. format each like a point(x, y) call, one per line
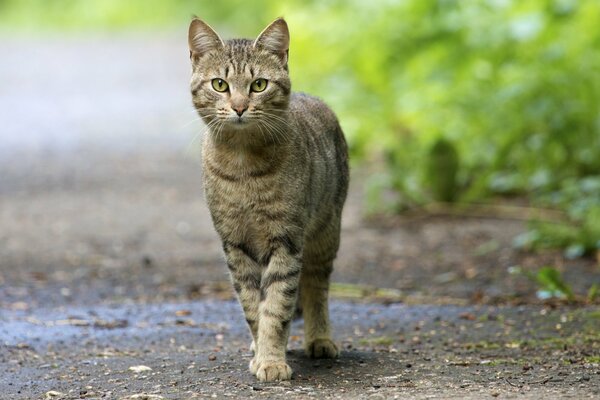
point(322, 348)
point(268, 371)
point(253, 365)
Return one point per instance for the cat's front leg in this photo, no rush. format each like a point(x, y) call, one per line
point(279, 289)
point(245, 274)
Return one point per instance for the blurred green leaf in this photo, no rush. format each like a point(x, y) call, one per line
point(549, 281)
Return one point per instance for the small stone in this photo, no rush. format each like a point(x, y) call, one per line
point(212, 357)
point(140, 368)
point(147, 261)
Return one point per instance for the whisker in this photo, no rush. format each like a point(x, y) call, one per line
point(206, 128)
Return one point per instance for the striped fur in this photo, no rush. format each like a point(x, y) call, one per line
point(275, 182)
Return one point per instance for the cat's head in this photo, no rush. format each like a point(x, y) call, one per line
point(240, 87)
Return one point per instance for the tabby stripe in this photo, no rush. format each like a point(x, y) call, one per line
point(286, 89)
point(241, 247)
point(248, 281)
point(220, 174)
point(264, 172)
point(253, 174)
point(287, 242)
point(197, 87)
point(273, 277)
point(288, 293)
point(273, 216)
point(282, 326)
point(341, 161)
point(274, 315)
point(285, 324)
point(237, 287)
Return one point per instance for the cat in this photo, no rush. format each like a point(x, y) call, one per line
point(275, 174)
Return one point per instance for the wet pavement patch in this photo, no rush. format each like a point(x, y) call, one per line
point(200, 349)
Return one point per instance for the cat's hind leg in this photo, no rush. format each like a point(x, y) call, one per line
point(314, 286)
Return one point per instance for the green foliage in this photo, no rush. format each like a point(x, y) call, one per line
point(511, 84)
point(593, 293)
point(550, 282)
point(441, 169)
point(580, 198)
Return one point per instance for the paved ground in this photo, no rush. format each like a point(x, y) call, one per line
point(108, 260)
point(200, 350)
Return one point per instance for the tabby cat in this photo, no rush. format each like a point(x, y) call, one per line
point(275, 170)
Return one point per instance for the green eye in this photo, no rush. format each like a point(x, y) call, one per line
point(219, 85)
point(258, 85)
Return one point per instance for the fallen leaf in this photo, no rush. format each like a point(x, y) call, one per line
point(468, 316)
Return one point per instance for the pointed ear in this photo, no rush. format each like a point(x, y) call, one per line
point(276, 39)
point(202, 38)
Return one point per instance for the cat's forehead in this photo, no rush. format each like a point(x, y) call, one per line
point(240, 49)
point(240, 57)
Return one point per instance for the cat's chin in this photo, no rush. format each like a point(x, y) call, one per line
point(240, 125)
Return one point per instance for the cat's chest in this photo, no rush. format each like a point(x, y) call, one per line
point(248, 209)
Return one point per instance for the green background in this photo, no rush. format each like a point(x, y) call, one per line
point(460, 102)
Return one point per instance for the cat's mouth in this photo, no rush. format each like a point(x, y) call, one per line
point(239, 122)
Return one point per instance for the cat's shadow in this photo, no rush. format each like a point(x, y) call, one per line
point(351, 365)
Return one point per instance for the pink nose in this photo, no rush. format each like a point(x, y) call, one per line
point(239, 110)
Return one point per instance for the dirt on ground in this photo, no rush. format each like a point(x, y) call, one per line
point(112, 282)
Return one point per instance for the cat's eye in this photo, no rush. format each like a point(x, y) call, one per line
point(258, 85)
point(219, 85)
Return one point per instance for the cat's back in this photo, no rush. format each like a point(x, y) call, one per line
point(309, 112)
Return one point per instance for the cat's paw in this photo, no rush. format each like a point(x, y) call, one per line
point(269, 371)
point(253, 365)
point(322, 348)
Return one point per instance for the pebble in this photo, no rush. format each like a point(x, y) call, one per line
point(140, 368)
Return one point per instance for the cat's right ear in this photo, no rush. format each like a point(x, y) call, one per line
point(202, 38)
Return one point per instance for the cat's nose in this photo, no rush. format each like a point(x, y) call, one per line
point(239, 110)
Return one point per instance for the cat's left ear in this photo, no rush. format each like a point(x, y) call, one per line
point(276, 39)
